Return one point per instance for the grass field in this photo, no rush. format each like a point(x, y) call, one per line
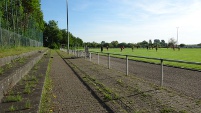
point(185, 54)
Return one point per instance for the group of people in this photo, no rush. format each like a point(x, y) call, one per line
point(122, 47)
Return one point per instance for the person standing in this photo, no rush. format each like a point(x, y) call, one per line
point(101, 48)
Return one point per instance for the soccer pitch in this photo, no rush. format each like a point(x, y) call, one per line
point(185, 54)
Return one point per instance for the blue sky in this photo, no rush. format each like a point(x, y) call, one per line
point(128, 20)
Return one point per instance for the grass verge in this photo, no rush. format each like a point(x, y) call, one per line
point(17, 51)
point(46, 94)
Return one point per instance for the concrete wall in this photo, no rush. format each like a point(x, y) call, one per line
point(6, 60)
point(9, 81)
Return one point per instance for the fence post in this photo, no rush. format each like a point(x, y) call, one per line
point(90, 56)
point(98, 58)
point(108, 60)
point(161, 72)
point(126, 64)
point(85, 55)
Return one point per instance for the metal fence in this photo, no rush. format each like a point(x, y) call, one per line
point(10, 39)
point(96, 56)
point(126, 57)
point(184, 80)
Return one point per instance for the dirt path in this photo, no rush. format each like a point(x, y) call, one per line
point(70, 95)
point(182, 80)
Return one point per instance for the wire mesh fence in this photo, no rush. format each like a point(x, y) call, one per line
point(10, 39)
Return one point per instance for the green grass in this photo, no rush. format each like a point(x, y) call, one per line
point(13, 98)
point(185, 54)
point(28, 104)
point(27, 89)
point(45, 104)
point(12, 108)
point(1, 71)
point(17, 51)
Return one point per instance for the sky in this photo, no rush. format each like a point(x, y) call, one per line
point(129, 21)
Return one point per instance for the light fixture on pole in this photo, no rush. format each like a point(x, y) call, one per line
point(67, 24)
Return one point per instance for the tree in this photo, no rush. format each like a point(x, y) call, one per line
point(157, 42)
point(102, 43)
point(64, 39)
point(106, 44)
point(172, 42)
point(131, 44)
point(162, 43)
point(143, 44)
point(114, 43)
point(150, 42)
point(182, 45)
point(53, 33)
point(79, 42)
point(23, 17)
point(122, 44)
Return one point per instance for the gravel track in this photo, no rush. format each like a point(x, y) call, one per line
point(130, 93)
point(70, 95)
point(182, 80)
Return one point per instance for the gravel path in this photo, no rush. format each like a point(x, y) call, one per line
point(182, 80)
point(130, 94)
point(70, 95)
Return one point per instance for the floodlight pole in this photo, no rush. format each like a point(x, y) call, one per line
point(67, 24)
point(177, 36)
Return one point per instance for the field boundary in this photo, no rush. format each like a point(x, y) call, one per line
point(86, 55)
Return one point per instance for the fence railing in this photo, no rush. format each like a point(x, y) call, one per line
point(89, 56)
point(10, 39)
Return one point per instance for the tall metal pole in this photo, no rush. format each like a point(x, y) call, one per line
point(177, 36)
point(67, 23)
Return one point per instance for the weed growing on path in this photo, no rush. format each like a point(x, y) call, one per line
point(28, 104)
point(13, 98)
point(13, 108)
point(1, 71)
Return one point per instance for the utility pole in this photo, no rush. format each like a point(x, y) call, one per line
point(177, 35)
point(67, 24)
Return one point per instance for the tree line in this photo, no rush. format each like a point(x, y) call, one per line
point(143, 44)
point(23, 17)
point(54, 37)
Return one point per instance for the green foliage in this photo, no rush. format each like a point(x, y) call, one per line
point(13, 98)
point(28, 104)
point(53, 36)
point(17, 51)
point(1, 71)
point(167, 110)
point(27, 89)
point(24, 17)
point(12, 108)
point(182, 45)
point(46, 93)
